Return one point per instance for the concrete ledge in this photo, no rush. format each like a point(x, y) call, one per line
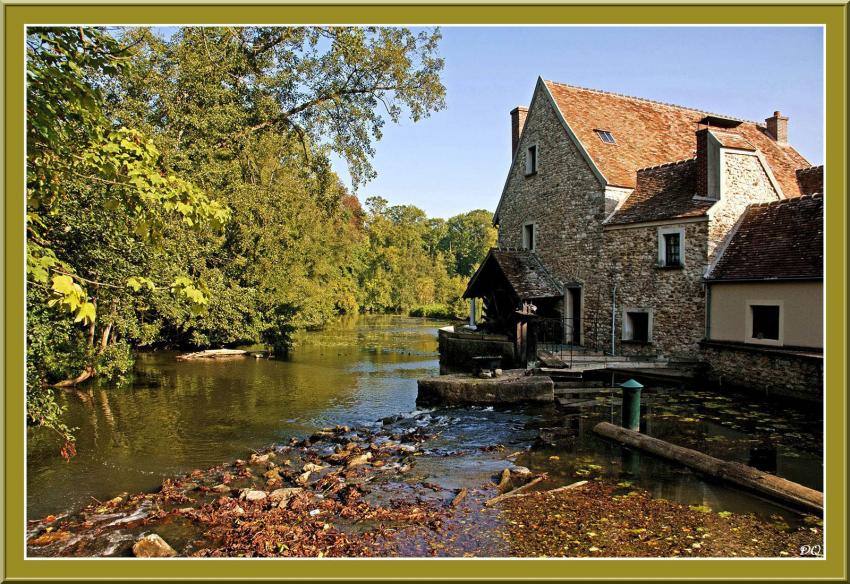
point(513, 387)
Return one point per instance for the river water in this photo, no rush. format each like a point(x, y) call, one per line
point(178, 416)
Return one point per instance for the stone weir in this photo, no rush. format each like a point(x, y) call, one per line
point(512, 386)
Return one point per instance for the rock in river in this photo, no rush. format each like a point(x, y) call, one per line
point(360, 460)
point(251, 495)
point(303, 478)
point(282, 496)
point(153, 546)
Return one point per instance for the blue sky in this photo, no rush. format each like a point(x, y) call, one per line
point(457, 159)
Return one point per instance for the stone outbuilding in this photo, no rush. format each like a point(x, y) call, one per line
point(626, 202)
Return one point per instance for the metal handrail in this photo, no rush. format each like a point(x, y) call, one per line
point(555, 335)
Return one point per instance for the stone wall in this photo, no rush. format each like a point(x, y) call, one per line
point(513, 387)
point(675, 296)
point(771, 372)
point(564, 199)
point(744, 182)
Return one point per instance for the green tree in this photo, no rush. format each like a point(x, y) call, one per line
point(467, 239)
point(84, 171)
point(126, 134)
point(252, 114)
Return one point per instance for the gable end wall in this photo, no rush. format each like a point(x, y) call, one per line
point(567, 203)
point(565, 200)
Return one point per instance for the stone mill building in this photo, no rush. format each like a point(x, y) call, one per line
point(617, 209)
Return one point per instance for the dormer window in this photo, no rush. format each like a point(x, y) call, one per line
point(605, 136)
point(531, 160)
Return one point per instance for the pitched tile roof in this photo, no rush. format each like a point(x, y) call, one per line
point(662, 192)
point(523, 271)
point(649, 133)
point(775, 241)
point(810, 180)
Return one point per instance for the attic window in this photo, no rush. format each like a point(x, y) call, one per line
point(531, 160)
point(605, 136)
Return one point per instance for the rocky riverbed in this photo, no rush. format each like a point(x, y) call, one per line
point(353, 492)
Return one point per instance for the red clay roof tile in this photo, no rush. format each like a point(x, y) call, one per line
point(775, 241)
point(662, 192)
point(649, 133)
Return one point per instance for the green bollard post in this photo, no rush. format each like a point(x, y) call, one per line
point(631, 405)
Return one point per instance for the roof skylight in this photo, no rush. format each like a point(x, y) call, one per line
point(605, 136)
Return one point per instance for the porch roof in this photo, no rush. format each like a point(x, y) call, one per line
point(521, 269)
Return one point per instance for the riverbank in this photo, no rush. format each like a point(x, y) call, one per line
point(346, 492)
point(176, 417)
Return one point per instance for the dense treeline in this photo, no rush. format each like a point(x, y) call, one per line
point(180, 193)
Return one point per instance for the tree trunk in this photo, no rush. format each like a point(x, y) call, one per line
point(88, 373)
point(734, 472)
point(92, 325)
point(104, 339)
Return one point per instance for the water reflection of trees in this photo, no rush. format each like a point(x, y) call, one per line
point(178, 416)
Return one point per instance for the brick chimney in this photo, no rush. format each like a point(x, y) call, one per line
point(702, 162)
point(777, 127)
point(518, 115)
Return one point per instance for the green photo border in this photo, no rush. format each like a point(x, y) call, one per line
point(833, 17)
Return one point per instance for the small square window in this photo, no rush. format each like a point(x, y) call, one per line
point(637, 325)
point(640, 326)
point(765, 320)
point(531, 160)
point(605, 136)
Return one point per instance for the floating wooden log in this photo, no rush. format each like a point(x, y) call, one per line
point(561, 489)
point(734, 472)
point(212, 354)
point(515, 492)
point(569, 487)
point(459, 497)
point(506, 479)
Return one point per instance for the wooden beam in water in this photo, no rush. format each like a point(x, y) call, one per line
point(213, 354)
point(734, 472)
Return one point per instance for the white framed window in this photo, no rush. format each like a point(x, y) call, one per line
point(671, 247)
point(529, 236)
point(637, 324)
point(532, 159)
point(764, 322)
